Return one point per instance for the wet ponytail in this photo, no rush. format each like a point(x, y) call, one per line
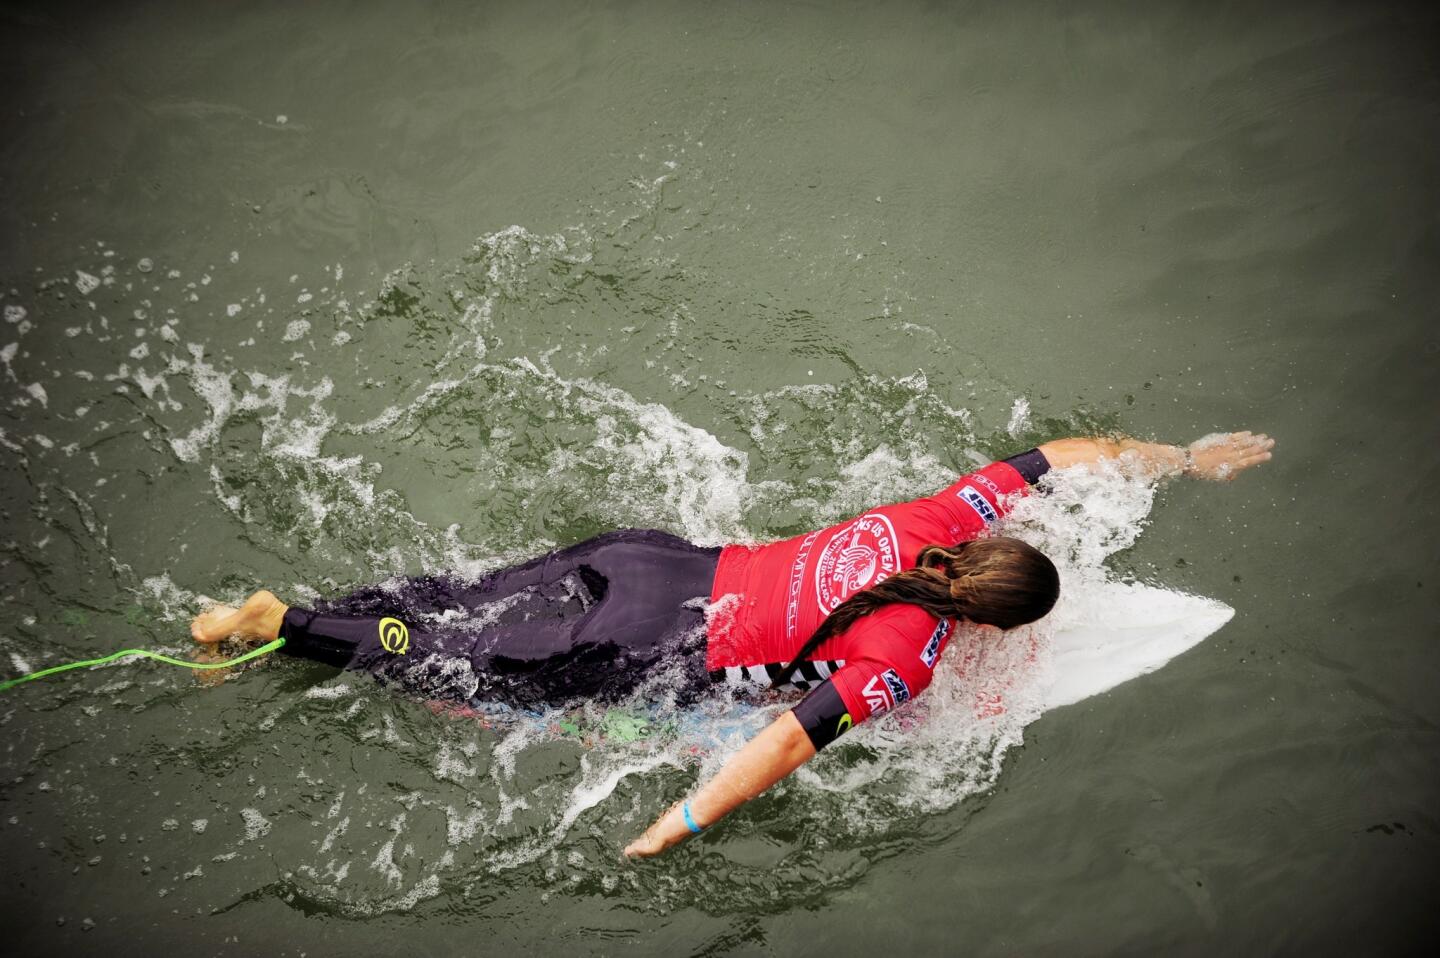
point(999, 581)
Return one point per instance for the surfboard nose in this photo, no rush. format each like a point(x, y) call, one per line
point(1117, 631)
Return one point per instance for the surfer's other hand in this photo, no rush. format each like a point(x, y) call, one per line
point(669, 829)
point(1222, 456)
point(653, 842)
point(643, 847)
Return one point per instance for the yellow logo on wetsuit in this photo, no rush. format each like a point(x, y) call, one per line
point(843, 726)
point(394, 636)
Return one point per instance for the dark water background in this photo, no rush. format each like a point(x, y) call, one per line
point(734, 270)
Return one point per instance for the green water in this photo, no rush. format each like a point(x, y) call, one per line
point(532, 271)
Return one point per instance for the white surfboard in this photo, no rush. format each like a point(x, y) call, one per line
point(1116, 631)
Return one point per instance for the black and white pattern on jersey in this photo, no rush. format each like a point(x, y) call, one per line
point(807, 675)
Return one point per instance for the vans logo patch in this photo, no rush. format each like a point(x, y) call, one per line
point(877, 696)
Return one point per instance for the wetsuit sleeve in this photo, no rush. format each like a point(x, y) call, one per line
point(823, 715)
point(1031, 464)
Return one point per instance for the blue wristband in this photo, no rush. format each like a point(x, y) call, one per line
point(690, 819)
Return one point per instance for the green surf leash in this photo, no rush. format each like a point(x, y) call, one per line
point(265, 649)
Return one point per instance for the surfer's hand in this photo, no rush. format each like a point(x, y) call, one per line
point(1221, 456)
point(660, 836)
point(643, 847)
point(778, 750)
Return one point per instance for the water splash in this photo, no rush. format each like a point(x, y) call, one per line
point(452, 417)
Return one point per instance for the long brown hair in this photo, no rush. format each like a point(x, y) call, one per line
point(999, 581)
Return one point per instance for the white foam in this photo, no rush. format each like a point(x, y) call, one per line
point(449, 766)
point(1019, 417)
point(148, 384)
point(461, 827)
point(428, 887)
point(175, 604)
point(329, 692)
point(384, 862)
point(213, 386)
point(597, 784)
point(340, 828)
point(256, 825)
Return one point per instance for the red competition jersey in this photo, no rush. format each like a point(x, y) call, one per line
point(767, 600)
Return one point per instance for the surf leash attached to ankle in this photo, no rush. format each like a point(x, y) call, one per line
point(265, 649)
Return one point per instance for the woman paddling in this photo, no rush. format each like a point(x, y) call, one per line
point(856, 615)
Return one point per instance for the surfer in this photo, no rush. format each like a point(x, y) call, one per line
point(856, 615)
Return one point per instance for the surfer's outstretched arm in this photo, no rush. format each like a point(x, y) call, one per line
point(1219, 456)
point(768, 757)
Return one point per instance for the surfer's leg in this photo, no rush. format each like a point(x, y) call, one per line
point(650, 617)
point(589, 619)
point(655, 587)
point(419, 617)
point(526, 614)
point(602, 615)
point(367, 643)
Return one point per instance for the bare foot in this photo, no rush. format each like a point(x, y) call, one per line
point(259, 618)
point(1222, 456)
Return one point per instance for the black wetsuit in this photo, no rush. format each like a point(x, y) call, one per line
point(593, 620)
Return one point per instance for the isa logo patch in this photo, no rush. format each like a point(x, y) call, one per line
point(885, 691)
point(899, 691)
point(979, 503)
point(931, 652)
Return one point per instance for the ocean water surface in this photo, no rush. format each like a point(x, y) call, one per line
point(309, 296)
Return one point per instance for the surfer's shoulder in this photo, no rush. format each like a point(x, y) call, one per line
point(907, 620)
